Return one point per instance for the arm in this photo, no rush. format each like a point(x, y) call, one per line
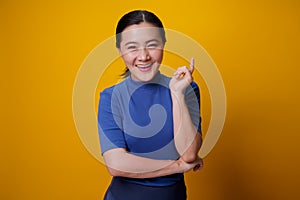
point(121, 163)
point(187, 140)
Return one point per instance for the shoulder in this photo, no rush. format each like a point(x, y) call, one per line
point(107, 92)
point(193, 91)
point(106, 95)
point(194, 85)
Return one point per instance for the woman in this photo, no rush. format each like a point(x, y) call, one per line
point(149, 124)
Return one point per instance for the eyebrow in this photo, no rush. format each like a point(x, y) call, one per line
point(128, 43)
point(152, 40)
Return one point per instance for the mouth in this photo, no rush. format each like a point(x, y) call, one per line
point(144, 68)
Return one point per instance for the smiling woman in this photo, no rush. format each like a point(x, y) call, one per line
point(142, 50)
point(149, 124)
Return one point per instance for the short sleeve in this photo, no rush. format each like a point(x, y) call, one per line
point(192, 98)
point(109, 123)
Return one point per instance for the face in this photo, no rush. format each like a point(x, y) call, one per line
point(141, 48)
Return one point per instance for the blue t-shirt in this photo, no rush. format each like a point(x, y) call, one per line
point(138, 116)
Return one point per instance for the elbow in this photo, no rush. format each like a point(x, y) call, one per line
point(112, 162)
point(191, 154)
point(189, 157)
point(113, 168)
point(114, 172)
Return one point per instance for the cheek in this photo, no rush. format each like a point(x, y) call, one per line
point(157, 55)
point(128, 59)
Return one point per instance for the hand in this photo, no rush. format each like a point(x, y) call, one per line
point(199, 164)
point(182, 78)
point(185, 167)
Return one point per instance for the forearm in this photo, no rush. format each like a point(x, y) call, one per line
point(187, 140)
point(121, 163)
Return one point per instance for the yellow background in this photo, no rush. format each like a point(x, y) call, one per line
point(255, 45)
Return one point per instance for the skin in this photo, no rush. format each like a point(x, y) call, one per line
point(142, 51)
point(141, 48)
point(187, 140)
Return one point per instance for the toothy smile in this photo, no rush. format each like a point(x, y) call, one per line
point(144, 67)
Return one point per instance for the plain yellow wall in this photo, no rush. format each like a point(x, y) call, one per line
point(255, 45)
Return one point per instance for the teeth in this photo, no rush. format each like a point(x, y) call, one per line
point(143, 66)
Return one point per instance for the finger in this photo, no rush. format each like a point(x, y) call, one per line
point(180, 72)
point(197, 167)
point(192, 62)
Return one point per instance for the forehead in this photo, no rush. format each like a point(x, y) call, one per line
point(140, 33)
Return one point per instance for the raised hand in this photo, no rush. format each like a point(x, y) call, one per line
point(182, 78)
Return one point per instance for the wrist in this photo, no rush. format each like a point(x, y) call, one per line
point(180, 166)
point(177, 94)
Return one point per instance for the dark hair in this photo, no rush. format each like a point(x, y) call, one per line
point(137, 17)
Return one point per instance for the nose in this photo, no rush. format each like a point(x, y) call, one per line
point(143, 54)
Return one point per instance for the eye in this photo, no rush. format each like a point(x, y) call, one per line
point(152, 45)
point(132, 47)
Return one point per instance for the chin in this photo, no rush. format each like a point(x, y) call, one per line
point(144, 77)
point(148, 77)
